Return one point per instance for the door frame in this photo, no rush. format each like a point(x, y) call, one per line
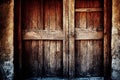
point(68, 21)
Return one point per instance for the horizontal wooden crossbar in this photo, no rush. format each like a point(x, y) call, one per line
point(88, 9)
point(59, 35)
point(88, 35)
point(43, 35)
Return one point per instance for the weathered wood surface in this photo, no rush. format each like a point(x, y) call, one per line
point(71, 39)
point(88, 9)
point(60, 38)
point(42, 37)
point(88, 35)
point(107, 38)
point(66, 39)
point(89, 38)
point(59, 35)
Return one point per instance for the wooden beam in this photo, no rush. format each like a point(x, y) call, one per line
point(88, 35)
point(71, 39)
point(42, 35)
point(17, 40)
point(88, 9)
point(107, 38)
point(65, 41)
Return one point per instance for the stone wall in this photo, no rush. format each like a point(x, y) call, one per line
point(116, 40)
point(6, 39)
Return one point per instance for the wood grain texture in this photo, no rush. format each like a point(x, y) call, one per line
point(88, 9)
point(41, 23)
point(98, 54)
point(43, 35)
point(107, 38)
point(34, 55)
point(46, 43)
point(32, 50)
point(40, 26)
point(35, 44)
point(81, 22)
point(61, 38)
point(65, 41)
point(59, 44)
point(89, 36)
point(53, 23)
point(71, 40)
point(52, 43)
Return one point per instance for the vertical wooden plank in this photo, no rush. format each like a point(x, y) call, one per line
point(98, 64)
point(83, 16)
point(58, 23)
point(90, 17)
point(40, 14)
point(90, 47)
point(52, 58)
point(46, 58)
point(91, 42)
point(46, 43)
point(17, 40)
point(65, 41)
point(83, 44)
point(98, 22)
point(83, 54)
point(84, 62)
point(59, 14)
point(58, 56)
point(88, 58)
point(40, 59)
point(77, 59)
point(34, 15)
point(81, 22)
point(107, 37)
point(52, 43)
point(40, 26)
point(34, 60)
point(34, 25)
point(71, 39)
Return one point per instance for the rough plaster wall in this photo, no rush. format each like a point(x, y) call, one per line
point(116, 40)
point(6, 39)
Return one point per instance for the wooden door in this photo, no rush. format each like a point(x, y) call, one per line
point(89, 38)
point(44, 40)
point(62, 38)
point(89, 28)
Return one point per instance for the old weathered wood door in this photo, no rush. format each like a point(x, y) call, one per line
point(89, 38)
point(45, 40)
point(64, 37)
point(89, 29)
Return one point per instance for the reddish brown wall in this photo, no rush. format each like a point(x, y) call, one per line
point(6, 39)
